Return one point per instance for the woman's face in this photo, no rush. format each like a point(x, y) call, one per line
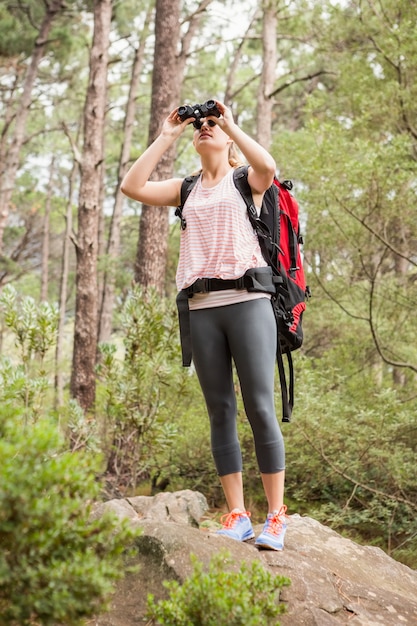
point(208, 134)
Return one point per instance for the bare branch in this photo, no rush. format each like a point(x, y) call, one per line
point(75, 150)
point(381, 352)
point(357, 484)
point(369, 228)
point(330, 295)
point(235, 61)
point(299, 80)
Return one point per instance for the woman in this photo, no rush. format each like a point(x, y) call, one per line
point(218, 242)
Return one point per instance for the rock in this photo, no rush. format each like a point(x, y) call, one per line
point(183, 507)
point(333, 580)
point(121, 508)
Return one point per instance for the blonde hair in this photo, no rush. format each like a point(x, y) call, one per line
point(234, 156)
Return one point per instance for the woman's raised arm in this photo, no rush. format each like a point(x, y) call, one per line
point(136, 183)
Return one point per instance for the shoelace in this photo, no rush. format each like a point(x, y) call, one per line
point(229, 520)
point(276, 521)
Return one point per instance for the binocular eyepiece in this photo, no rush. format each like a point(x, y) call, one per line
point(198, 111)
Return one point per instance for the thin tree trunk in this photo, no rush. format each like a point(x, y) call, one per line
point(151, 256)
point(266, 87)
point(101, 239)
point(59, 381)
point(45, 236)
point(9, 167)
point(113, 245)
point(83, 382)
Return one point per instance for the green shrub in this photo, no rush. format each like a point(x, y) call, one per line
point(25, 378)
point(57, 565)
point(142, 391)
point(248, 597)
point(351, 451)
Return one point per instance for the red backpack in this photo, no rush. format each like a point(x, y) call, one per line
point(278, 232)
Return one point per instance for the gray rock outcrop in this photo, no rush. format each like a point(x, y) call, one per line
point(333, 579)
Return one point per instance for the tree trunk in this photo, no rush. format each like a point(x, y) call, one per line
point(83, 382)
point(9, 167)
point(45, 236)
point(151, 255)
point(113, 244)
point(266, 87)
point(101, 238)
point(59, 351)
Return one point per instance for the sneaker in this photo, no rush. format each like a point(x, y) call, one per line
point(237, 525)
point(272, 535)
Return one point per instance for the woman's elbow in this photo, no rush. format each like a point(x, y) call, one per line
point(124, 188)
point(127, 189)
point(269, 171)
point(271, 167)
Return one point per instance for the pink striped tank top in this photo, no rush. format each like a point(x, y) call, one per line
point(219, 241)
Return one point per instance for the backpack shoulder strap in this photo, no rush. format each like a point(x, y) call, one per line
point(240, 179)
point(187, 186)
point(266, 224)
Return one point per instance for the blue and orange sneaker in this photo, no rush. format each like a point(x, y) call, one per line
point(237, 525)
point(272, 535)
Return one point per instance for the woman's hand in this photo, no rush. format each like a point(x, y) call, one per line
point(226, 120)
point(173, 126)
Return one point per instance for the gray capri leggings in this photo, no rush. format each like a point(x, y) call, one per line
point(246, 333)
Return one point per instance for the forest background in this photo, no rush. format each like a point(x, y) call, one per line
point(89, 336)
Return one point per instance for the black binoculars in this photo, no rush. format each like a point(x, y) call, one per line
point(198, 111)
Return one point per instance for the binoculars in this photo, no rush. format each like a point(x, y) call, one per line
point(198, 111)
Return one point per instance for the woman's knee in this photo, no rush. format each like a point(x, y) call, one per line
point(222, 413)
